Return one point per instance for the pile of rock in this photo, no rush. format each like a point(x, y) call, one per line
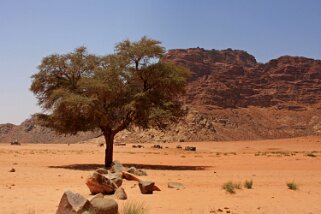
point(74, 203)
point(109, 181)
point(104, 181)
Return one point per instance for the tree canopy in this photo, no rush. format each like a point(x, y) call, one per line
point(79, 91)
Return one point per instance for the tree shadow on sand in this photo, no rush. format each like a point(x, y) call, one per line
point(89, 167)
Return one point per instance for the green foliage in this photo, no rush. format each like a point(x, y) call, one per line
point(292, 185)
point(83, 92)
point(248, 184)
point(133, 208)
point(230, 187)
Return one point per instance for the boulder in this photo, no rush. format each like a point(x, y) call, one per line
point(120, 194)
point(116, 166)
point(73, 203)
point(104, 206)
point(190, 148)
point(135, 171)
point(102, 171)
point(176, 185)
point(147, 187)
point(130, 177)
point(99, 195)
point(98, 183)
point(116, 178)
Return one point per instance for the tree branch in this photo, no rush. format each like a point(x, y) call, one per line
point(125, 123)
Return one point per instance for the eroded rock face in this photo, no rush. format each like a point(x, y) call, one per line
point(98, 183)
point(232, 78)
point(73, 203)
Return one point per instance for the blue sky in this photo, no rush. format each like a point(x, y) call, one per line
point(30, 30)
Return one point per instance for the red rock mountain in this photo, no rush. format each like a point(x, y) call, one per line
point(230, 96)
point(232, 79)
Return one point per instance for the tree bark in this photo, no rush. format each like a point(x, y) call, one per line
point(109, 139)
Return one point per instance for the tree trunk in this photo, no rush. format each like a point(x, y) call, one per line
point(109, 139)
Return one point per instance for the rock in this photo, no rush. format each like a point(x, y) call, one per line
point(135, 171)
point(104, 206)
point(157, 146)
point(116, 166)
point(99, 195)
point(102, 171)
point(176, 185)
point(130, 177)
point(12, 170)
point(178, 147)
point(15, 143)
point(120, 194)
point(190, 148)
point(116, 178)
point(71, 203)
point(147, 187)
point(98, 183)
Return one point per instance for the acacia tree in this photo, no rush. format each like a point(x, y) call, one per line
point(83, 92)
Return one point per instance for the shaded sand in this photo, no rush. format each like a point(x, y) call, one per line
point(44, 172)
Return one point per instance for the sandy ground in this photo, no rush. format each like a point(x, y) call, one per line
point(44, 172)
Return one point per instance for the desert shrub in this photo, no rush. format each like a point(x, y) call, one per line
point(229, 187)
point(132, 207)
point(248, 184)
point(292, 185)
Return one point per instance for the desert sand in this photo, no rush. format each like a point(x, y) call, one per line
point(44, 172)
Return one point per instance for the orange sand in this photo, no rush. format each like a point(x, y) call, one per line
point(44, 172)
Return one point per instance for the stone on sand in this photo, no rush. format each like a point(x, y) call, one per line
point(73, 203)
point(120, 194)
point(98, 183)
point(176, 185)
point(116, 166)
point(137, 172)
point(147, 187)
point(104, 206)
point(130, 177)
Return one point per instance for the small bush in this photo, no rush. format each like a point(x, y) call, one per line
point(248, 184)
point(292, 185)
point(133, 208)
point(229, 187)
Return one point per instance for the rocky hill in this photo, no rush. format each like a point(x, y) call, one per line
point(230, 96)
point(233, 79)
point(30, 132)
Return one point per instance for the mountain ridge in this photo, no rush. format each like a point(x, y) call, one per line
point(230, 96)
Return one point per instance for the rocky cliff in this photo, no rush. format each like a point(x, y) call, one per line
point(230, 96)
point(233, 79)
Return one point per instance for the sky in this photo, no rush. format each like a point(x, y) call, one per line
point(33, 29)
